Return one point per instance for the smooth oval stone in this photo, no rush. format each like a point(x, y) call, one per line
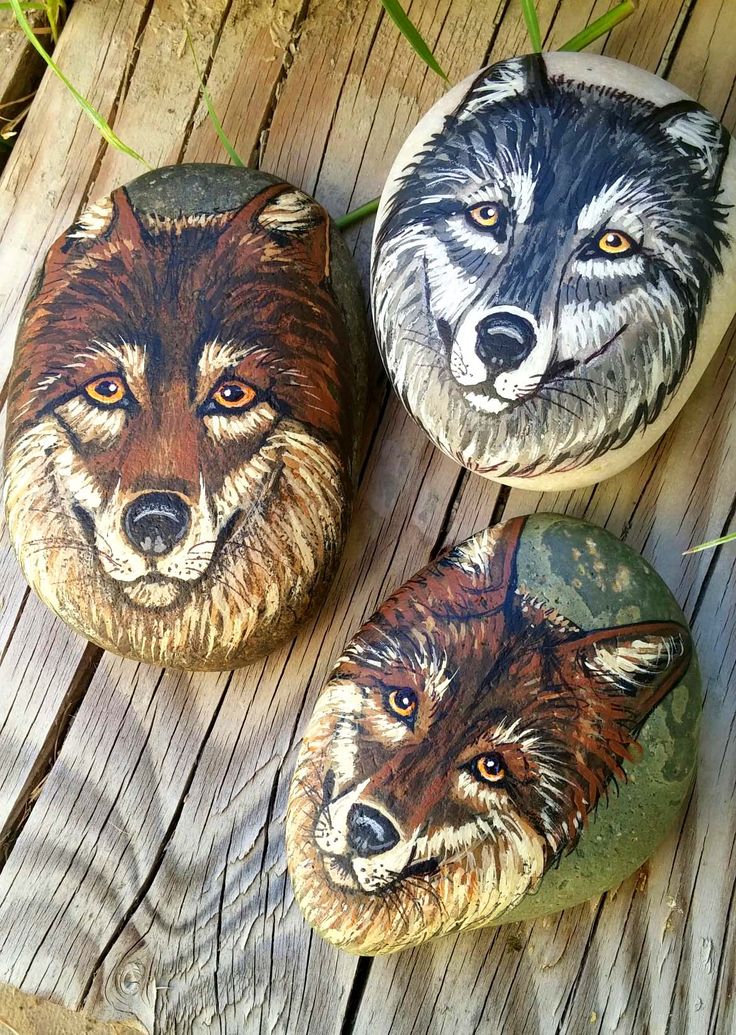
point(553, 266)
point(513, 732)
point(185, 407)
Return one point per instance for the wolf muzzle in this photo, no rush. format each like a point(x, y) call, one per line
point(504, 339)
point(155, 522)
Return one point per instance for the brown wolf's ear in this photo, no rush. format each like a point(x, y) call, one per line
point(637, 665)
point(479, 576)
point(292, 219)
point(99, 220)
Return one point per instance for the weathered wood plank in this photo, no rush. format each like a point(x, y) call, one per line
point(150, 873)
point(20, 70)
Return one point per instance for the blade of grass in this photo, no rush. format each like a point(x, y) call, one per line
point(412, 35)
point(357, 214)
point(529, 11)
point(92, 114)
point(234, 156)
point(600, 26)
point(55, 12)
point(730, 538)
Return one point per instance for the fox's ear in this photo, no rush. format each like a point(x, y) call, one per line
point(639, 664)
point(519, 76)
point(698, 135)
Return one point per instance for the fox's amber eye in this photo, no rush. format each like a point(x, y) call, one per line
point(233, 395)
point(403, 703)
point(109, 390)
point(490, 768)
point(615, 242)
point(486, 216)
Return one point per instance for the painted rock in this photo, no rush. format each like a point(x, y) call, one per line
point(184, 411)
point(553, 266)
point(513, 732)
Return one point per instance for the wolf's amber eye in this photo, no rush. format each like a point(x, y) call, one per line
point(490, 768)
point(487, 216)
point(109, 390)
point(403, 703)
point(615, 242)
point(233, 395)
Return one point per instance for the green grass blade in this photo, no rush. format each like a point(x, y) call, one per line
point(412, 35)
point(730, 538)
point(529, 11)
point(600, 26)
point(357, 214)
point(234, 156)
point(92, 114)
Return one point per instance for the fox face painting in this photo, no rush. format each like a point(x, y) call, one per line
point(184, 408)
point(553, 266)
point(462, 743)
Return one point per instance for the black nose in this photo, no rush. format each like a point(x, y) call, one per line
point(156, 521)
point(504, 340)
point(370, 832)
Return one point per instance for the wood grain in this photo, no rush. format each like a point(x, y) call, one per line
point(142, 812)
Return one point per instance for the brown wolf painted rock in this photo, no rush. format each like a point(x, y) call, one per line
point(185, 406)
point(468, 761)
point(554, 266)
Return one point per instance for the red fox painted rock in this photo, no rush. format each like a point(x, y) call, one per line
point(481, 723)
point(184, 409)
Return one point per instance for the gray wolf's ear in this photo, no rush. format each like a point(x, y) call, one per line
point(698, 135)
point(519, 76)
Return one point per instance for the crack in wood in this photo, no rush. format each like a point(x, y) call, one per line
point(158, 859)
point(49, 751)
point(255, 159)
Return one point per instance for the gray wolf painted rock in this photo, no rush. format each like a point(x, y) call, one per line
point(554, 266)
point(468, 761)
point(185, 404)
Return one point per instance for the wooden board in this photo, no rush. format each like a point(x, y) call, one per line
point(142, 871)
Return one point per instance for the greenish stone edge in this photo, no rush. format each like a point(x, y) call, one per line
point(597, 584)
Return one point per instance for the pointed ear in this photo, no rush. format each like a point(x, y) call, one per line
point(514, 78)
point(291, 218)
point(478, 577)
point(97, 222)
point(698, 135)
point(636, 664)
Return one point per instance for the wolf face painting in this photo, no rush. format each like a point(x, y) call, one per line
point(545, 254)
point(461, 744)
point(183, 417)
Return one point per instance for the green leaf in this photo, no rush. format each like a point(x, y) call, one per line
point(234, 156)
point(410, 32)
point(532, 24)
point(92, 114)
point(600, 26)
point(357, 214)
point(712, 544)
